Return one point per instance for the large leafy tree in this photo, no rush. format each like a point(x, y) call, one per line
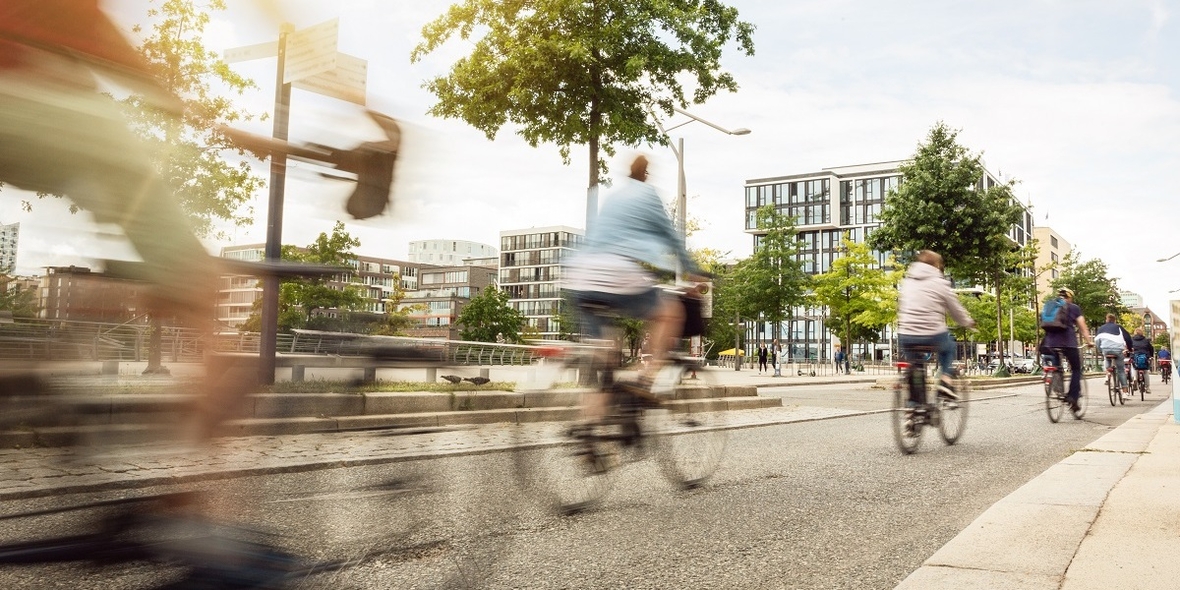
point(489, 318)
point(943, 204)
point(188, 150)
point(1094, 290)
point(771, 283)
point(582, 72)
point(860, 296)
point(23, 303)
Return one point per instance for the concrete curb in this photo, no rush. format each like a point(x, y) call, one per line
point(1028, 540)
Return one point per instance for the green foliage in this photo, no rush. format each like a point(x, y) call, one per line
point(571, 72)
point(721, 329)
point(1161, 341)
point(489, 318)
point(860, 296)
point(188, 149)
point(23, 303)
point(940, 205)
point(771, 282)
point(1095, 292)
point(983, 311)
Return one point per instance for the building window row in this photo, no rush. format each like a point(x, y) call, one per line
point(557, 239)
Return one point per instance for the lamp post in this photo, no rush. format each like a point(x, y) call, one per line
point(678, 150)
point(1168, 258)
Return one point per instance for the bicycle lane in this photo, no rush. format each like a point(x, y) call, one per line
point(40, 472)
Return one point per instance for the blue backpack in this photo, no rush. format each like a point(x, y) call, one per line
point(1140, 360)
point(1054, 316)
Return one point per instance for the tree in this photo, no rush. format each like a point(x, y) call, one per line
point(1093, 291)
point(188, 149)
point(942, 204)
point(574, 72)
point(771, 283)
point(1161, 341)
point(860, 296)
point(23, 303)
point(489, 318)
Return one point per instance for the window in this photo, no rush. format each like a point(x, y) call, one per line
point(1053, 242)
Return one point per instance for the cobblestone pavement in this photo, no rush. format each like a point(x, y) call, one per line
point(39, 472)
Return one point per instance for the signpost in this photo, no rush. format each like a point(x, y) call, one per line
point(308, 60)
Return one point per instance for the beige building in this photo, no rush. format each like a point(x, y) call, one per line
point(1175, 317)
point(1052, 250)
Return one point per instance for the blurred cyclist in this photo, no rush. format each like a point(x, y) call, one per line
point(925, 298)
point(630, 234)
point(1165, 360)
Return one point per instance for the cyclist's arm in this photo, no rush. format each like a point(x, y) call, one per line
point(954, 307)
point(1083, 329)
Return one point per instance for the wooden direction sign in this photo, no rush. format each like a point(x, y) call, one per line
point(346, 82)
point(311, 51)
point(250, 52)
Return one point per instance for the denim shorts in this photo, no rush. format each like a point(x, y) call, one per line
point(631, 305)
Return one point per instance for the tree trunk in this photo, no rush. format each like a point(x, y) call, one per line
point(999, 322)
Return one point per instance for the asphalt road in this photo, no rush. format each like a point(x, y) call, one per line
point(818, 505)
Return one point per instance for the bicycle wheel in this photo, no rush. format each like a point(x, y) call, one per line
point(907, 430)
point(952, 414)
point(1142, 386)
point(1112, 389)
point(689, 428)
point(561, 459)
point(1054, 399)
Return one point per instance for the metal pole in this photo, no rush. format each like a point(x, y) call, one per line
point(274, 218)
point(681, 197)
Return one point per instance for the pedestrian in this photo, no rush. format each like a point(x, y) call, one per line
point(762, 357)
point(839, 359)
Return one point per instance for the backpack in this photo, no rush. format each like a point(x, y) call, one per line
point(1140, 360)
point(1054, 316)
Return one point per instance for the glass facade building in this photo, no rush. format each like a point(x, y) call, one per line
point(530, 272)
point(825, 206)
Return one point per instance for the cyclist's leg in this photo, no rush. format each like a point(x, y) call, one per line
point(1074, 357)
point(665, 319)
point(946, 355)
point(1120, 366)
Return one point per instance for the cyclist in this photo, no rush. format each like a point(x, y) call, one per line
point(1165, 360)
point(1140, 345)
point(1067, 339)
point(632, 232)
point(925, 298)
point(1112, 340)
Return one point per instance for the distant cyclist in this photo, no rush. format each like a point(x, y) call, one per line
point(1113, 341)
point(1165, 359)
point(1067, 340)
point(925, 298)
point(1142, 350)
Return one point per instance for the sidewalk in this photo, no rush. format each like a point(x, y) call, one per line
point(1106, 517)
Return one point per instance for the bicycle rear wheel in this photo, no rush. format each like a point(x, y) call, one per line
point(1083, 400)
point(1054, 398)
point(1112, 389)
point(907, 429)
point(1142, 386)
point(689, 427)
point(952, 414)
point(567, 464)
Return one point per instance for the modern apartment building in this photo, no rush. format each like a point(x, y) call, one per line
point(530, 272)
point(378, 279)
point(826, 205)
point(442, 294)
point(1051, 252)
point(1131, 299)
point(9, 240)
point(448, 252)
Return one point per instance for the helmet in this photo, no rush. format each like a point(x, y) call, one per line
point(1065, 292)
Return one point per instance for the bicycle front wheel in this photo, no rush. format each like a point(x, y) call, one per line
point(567, 465)
point(1083, 400)
point(1054, 399)
point(689, 427)
point(952, 414)
point(907, 429)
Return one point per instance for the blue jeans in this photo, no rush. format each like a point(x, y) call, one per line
point(1120, 368)
point(944, 343)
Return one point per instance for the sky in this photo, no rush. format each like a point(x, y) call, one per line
point(1076, 100)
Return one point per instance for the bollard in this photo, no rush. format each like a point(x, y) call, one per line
point(297, 373)
point(431, 375)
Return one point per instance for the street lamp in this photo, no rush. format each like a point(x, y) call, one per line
point(1168, 258)
point(678, 150)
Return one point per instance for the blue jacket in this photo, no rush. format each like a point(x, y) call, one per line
point(634, 224)
point(1117, 330)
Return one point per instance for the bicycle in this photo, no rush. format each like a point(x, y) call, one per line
point(911, 410)
point(1113, 389)
point(1166, 371)
point(1055, 388)
point(1141, 368)
point(683, 428)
